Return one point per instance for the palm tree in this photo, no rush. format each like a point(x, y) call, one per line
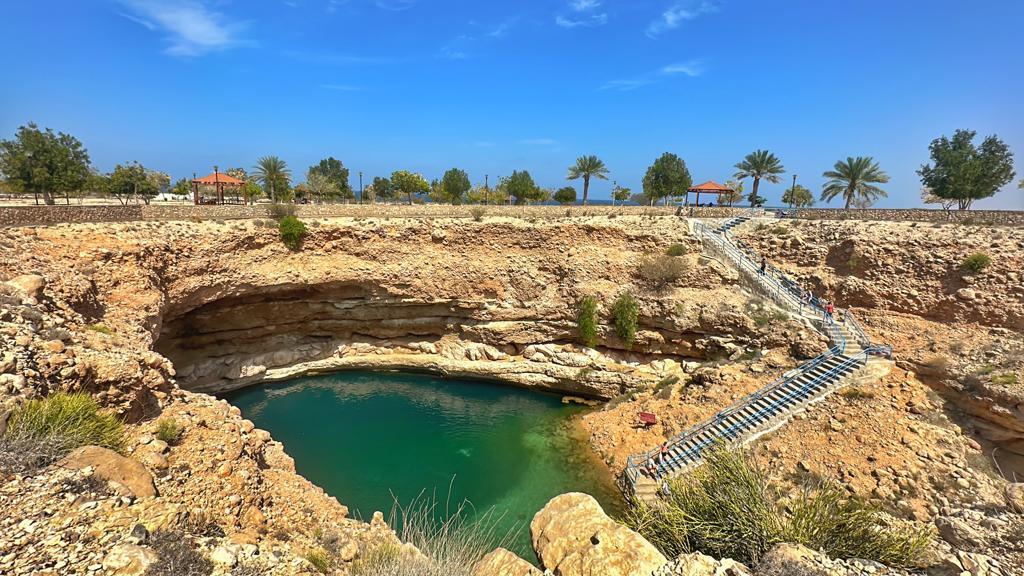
point(757, 165)
point(854, 179)
point(269, 171)
point(587, 166)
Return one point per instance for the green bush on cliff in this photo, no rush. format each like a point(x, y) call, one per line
point(41, 431)
point(586, 320)
point(625, 313)
point(726, 508)
point(169, 431)
point(292, 231)
point(977, 262)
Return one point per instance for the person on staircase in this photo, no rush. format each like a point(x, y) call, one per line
point(764, 264)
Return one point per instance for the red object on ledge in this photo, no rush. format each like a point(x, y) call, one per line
point(648, 419)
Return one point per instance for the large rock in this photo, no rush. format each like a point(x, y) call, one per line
point(573, 537)
point(700, 565)
point(30, 285)
point(126, 475)
point(128, 560)
point(1015, 497)
point(501, 562)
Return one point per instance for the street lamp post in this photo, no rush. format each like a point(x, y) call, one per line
point(360, 186)
point(487, 188)
point(792, 192)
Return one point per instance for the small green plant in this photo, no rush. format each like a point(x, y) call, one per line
point(977, 262)
point(279, 211)
point(41, 431)
point(478, 213)
point(625, 313)
point(586, 320)
point(169, 431)
point(675, 250)
point(763, 317)
point(292, 231)
point(854, 262)
point(780, 230)
point(1006, 379)
point(100, 328)
point(319, 559)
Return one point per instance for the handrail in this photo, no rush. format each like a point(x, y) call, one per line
point(788, 293)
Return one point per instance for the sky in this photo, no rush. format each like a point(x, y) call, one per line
point(492, 86)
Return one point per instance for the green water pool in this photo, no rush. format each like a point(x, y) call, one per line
point(371, 438)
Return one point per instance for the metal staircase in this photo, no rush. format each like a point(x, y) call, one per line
point(772, 405)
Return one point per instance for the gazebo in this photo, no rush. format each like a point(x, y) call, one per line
point(219, 182)
point(709, 187)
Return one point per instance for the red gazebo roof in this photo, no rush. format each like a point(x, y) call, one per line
point(218, 178)
point(710, 187)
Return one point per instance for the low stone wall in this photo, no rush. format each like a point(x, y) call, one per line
point(981, 217)
point(48, 215)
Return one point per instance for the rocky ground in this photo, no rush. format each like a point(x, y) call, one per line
point(131, 312)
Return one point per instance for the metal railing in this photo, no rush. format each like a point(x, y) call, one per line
point(786, 292)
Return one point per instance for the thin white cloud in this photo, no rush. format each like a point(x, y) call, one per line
point(501, 29)
point(677, 13)
point(484, 144)
point(336, 58)
point(538, 141)
point(192, 28)
point(587, 22)
point(691, 68)
point(584, 5)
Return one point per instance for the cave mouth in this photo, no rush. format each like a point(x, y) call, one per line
point(373, 438)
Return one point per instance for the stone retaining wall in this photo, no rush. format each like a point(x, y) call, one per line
point(48, 215)
point(981, 217)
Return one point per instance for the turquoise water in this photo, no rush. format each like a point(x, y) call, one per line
point(370, 438)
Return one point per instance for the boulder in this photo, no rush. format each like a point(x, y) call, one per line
point(573, 537)
point(30, 285)
point(1015, 497)
point(126, 475)
point(501, 562)
point(128, 560)
point(697, 564)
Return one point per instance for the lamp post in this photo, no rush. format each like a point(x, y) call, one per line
point(487, 188)
point(792, 192)
point(360, 186)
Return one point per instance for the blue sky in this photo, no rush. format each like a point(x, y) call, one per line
point(493, 86)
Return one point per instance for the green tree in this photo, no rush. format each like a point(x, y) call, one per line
point(409, 183)
point(854, 180)
point(238, 172)
point(620, 194)
point(382, 189)
point(734, 195)
point(798, 196)
point(182, 189)
point(335, 172)
point(587, 167)
point(668, 176)
point(273, 174)
point(759, 164)
point(321, 187)
point(520, 185)
point(964, 172)
point(928, 198)
point(455, 185)
point(565, 195)
point(132, 181)
point(44, 163)
point(251, 191)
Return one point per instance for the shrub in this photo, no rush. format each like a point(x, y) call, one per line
point(661, 271)
point(100, 328)
point(857, 394)
point(726, 509)
point(478, 213)
point(169, 431)
point(279, 211)
point(319, 559)
point(675, 250)
point(1006, 379)
point(292, 232)
point(625, 313)
point(41, 431)
point(452, 543)
point(977, 262)
point(586, 320)
point(763, 317)
point(175, 556)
